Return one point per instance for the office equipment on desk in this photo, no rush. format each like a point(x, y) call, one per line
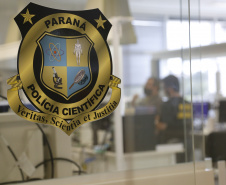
point(201, 109)
point(104, 124)
point(222, 111)
point(200, 113)
point(215, 146)
point(4, 106)
point(142, 110)
point(139, 133)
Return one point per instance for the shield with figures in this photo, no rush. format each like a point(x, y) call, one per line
point(66, 63)
point(64, 67)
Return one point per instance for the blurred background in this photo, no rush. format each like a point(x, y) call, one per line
point(170, 56)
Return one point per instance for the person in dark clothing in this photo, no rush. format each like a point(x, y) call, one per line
point(175, 116)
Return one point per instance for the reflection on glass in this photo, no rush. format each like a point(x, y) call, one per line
point(159, 114)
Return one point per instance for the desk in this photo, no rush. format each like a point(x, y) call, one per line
point(175, 175)
point(164, 155)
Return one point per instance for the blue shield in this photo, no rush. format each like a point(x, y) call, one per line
point(66, 63)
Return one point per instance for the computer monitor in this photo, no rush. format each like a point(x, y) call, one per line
point(139, 133)
point(222, 111)
point(198, 112)
point(4, 106)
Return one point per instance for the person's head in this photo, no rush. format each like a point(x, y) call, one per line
point(151, 87)
point(77, 41)
point(171, 86)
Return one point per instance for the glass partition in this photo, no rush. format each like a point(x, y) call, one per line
point(171, 114)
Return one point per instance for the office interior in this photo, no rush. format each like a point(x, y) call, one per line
point(184, 40)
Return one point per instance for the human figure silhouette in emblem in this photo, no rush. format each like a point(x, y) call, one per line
point(78, 51)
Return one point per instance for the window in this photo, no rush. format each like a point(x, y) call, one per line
point(137, 57)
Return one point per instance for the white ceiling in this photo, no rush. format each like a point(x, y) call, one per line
point(209, 8)
point(212, 9)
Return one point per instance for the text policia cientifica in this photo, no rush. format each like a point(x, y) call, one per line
point(65, 111)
